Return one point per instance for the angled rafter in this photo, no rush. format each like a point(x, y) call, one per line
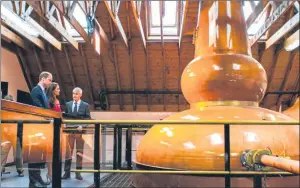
point(11, 36)
point(131, 56)
point(297, 6)
point(288, 26)
point(70, 66)
point(104, 79)
point(25, 67)
point(277, 51)
point(52, 20)
point(115, 63)
point(163, 51)
point(183, 20)
point(86, 70)
point(69, 16)
point(138, 23)
point(17, 28)
point(38, 60)
point(43, 32)
point(259, 8)
point(286, 76)
point(283, 7)
point(179, 74)
point(115, 19)
point(54, 63)
point(291, 41)
point(147, 59)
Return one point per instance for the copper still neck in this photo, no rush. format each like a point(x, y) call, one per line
point(223, 69)
point(221, 29)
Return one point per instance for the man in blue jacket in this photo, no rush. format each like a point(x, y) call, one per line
point(39, 98)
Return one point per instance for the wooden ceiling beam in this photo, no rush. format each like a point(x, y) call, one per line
point(179, 75)
point(87, 73)
point(115, 19)
point(287, 27)
point(43, 33)
point(69, 16)
point(69, 63)
point(115, 63)
point(38, 60)
point(11, 36)
point(292, 40)
point(130, 51)
point(297, 6)
point(57, 72)
point(183, 20)
point(25, 67)
point(138, 23)
point(163, 50)
point(259, 8)
point(281, 10)
point(286, 76)
point(18, 29)
point(50, 18)
point(278, 49)
point(104, 79)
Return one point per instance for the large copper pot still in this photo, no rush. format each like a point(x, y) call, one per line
point(222, 82)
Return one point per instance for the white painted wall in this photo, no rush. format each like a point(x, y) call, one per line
point(11, 72)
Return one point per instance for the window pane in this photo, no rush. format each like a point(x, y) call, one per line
point(80, 16)
point(170, 13)
point(155, 15)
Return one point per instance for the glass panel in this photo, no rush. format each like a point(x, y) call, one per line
point(80, 16)
point(155, 15)
point(170, 17)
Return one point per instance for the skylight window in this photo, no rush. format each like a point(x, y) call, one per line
point(170, 18)
point(80, 16)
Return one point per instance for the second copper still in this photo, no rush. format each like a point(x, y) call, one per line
point(222, 82)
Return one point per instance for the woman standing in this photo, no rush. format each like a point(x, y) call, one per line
point(52, 93)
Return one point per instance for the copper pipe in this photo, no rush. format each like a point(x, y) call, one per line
point(281, 163)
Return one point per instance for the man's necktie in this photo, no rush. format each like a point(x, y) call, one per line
point(45, 98)
point(75, 108)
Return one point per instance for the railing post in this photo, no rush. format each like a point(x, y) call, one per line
point(129, 147)
point(19, 143)
point(103, 144)
point(56, 155)
point(115, 149)
point(257, 183)
point(227, 154)
point(119, 147)
point(97, 155)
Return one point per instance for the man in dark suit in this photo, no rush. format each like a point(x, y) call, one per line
point(79, 110)
point(35, 155)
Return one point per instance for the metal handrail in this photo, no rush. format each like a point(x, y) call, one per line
point(186, 172)
point(25, 121)
point(207, 122)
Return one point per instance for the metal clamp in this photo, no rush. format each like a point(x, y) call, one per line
point(251, 159)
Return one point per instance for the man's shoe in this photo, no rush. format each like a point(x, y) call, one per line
point(20, 173)
point(78, 176)
point(36, 184)
point(67, 175)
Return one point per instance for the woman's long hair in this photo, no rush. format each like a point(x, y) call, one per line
point(50, 94)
